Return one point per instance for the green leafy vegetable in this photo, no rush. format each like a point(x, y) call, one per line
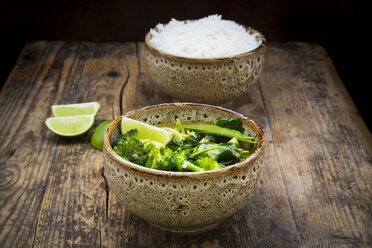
point(205, 147)
point(220, 131)
point(194, 148)
point(231, 123)
point(225, 153)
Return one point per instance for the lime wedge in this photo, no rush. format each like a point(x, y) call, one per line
point(70, 126)
point(87, 108)
point(146, 131)
point(97, 138)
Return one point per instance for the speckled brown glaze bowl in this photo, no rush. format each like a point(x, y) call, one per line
point(213, 81)
point(182, 201)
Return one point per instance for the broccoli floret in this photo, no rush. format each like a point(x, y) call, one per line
point(159, 156)
point(153, 148)
point(188, 166)
point(149, 145)
point(208, 163)
point(180, 162)
point(162, 160)
point(179, 158)
point(154, 157)
point(130, 148)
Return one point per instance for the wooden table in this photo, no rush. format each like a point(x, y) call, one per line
point(316, 185)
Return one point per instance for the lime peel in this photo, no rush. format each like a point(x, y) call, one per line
point(97, 137)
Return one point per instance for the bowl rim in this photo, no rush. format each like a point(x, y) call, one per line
point(257, 50)
point(173, 174)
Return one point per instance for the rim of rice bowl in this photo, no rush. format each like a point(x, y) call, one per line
point(250, 30)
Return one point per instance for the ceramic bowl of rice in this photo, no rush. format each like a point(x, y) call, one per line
point(184, 202)
point(209, 60)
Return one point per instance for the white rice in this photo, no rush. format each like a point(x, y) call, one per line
point(209, 37)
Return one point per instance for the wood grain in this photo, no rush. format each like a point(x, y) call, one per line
point(328, 173)
point(315, 190)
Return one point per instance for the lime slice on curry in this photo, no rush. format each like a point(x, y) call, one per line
point(146, 131)
point(70, 126)
point(87, 108)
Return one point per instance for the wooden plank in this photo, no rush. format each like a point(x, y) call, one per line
point(323, 147)
point(26, 158)
point(53, 193)
point(74, 204)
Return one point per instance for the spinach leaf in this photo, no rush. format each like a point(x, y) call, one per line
point(231, 123)
point(190, 141)
point(225, 153)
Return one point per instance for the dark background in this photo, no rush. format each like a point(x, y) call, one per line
point(341, 27)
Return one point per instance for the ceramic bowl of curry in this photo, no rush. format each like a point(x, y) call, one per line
point(183, 202)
